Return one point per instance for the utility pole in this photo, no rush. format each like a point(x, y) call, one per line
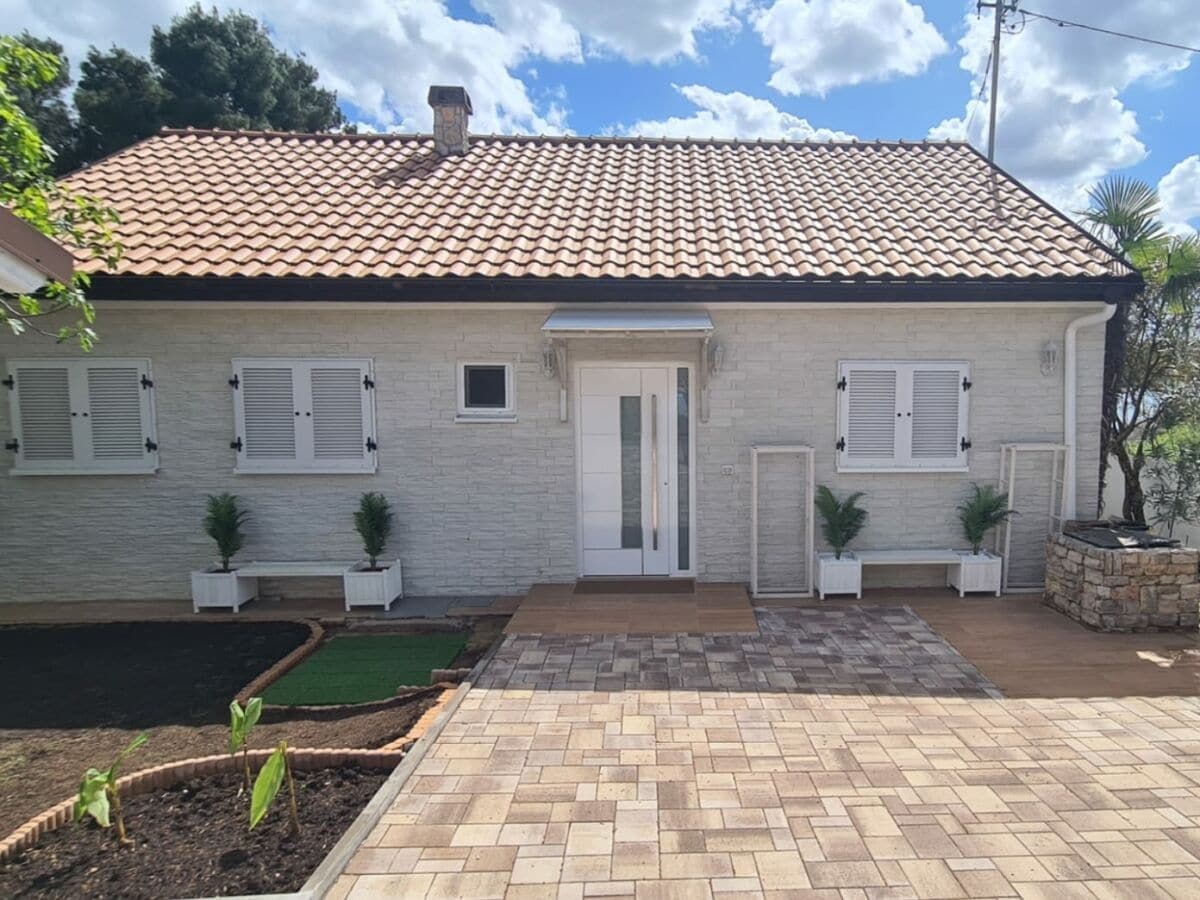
point(1000, 7)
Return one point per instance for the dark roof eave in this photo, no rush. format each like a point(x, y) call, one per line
point(298, 289)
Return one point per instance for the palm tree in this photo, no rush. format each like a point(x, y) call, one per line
point(1152, 365)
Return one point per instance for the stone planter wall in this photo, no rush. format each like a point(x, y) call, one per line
point(1123, 590)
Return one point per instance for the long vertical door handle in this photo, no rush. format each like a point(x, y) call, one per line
point(654, 470)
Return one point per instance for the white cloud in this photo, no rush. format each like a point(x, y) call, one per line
point(379, 55)
point(1062, 123)
point(817, 45)
point(638, 30)
point(1179, 191)
point(732, 115)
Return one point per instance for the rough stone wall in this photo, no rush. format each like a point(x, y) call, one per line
point(1123, 590)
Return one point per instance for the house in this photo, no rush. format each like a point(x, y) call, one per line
point(554, 354)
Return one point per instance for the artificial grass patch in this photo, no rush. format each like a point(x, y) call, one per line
point(361, 668)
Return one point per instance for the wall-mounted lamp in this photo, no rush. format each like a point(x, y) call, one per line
point(716, 357)
point(548, 360)
point(1049, 357)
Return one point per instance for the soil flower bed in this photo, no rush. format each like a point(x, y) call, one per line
point(191, 840)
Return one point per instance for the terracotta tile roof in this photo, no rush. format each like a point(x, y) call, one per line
point(254, 204)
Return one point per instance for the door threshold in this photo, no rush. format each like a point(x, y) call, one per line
point(635, 584)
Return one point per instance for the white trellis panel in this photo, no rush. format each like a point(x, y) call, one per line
point(1032, 476)
point(789, 534)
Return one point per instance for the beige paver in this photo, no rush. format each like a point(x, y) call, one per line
point(887, 770)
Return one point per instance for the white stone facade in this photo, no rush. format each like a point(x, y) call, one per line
point(486, 509)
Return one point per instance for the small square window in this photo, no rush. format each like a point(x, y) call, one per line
point(485, 391)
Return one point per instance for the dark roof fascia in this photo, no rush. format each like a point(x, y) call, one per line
point(297, 289)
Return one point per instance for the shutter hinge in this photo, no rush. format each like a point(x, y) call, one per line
point(151, 446)
point(147, 383)
point(9, 382)
point(841, 444)
point(234, 382)
point(841, 385)
point(236, 445)
point(964, 445)
point(966, 383)
point(14, 445)
point(371, 445)
point(368, 382)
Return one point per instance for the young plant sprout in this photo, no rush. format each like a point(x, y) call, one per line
point(266, 787)
point(100, 797)
point(241, 722)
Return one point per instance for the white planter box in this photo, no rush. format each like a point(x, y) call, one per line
point(365, 588)
point(838, 576)
point(212, 588)
point(975, 572)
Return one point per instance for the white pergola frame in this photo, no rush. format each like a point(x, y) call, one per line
point(1007, 483)
point(806, 453)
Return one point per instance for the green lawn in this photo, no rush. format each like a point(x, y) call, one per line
point(360, 668)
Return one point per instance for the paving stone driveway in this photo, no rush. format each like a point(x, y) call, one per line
point(844, 753)
point(873, 651)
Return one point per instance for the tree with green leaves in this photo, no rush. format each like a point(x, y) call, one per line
point(206, 70)
point(1152, 370)
point(29, 191)
point(46, 105)
point(119, 101)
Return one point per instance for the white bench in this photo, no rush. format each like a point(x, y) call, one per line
point(951, 559)
point(233, 589)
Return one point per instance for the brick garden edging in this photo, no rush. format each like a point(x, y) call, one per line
point(316, 634)
point(163, 776)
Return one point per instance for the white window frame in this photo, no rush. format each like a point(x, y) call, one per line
point(83, 462)
point(305, 462)
point(901, 460)
point(489, 414)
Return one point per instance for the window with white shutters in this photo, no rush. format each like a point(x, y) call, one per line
point(304, 415)
point(82, 417)
point(902, 416)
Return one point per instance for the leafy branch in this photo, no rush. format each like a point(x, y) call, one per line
point(28, 189)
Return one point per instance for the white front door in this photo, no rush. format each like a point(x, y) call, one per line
point(627, 476)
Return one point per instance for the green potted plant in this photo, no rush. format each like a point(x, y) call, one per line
point(978, 570)
point(839, 572)
point(219, 585)
point(373, 581)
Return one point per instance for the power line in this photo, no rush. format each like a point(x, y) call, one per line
point(1133, 37)
point(987, 68)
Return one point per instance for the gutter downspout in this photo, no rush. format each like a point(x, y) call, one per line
point(1070, 403)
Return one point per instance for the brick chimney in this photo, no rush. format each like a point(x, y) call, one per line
point(451, 112)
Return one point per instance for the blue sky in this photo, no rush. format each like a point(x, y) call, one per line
point(1075, 106)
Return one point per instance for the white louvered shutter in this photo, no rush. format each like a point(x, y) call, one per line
point(939, 416)
point(90, 416)
point(902, 415)
point(304, 415)
point(868, 415)
point(115, 413)
point(341, 413)
point(266, 413)
point(42, 426)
